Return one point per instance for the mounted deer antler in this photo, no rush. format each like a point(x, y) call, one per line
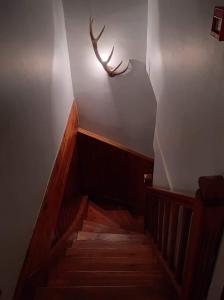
point(111, 71)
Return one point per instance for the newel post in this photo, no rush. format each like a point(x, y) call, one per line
point(207, 229)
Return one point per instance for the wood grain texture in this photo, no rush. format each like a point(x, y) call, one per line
point(211, 194)
point(184, 236)
point(198, 222)
point(166, 226)
point(102, 260)
point(162, 214)
point(173, 235)
point(100, 228)
point(102, 293)
point(112, 171)
point(44, 232)
point(40, 276)
point(71, 199)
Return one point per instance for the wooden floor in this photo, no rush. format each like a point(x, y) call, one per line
point(111, 259)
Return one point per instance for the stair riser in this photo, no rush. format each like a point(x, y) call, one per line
point(86, 236)
point(111, 252)
point(107, 244)
point(153, 280)
point(103, 293)
point(99, 229)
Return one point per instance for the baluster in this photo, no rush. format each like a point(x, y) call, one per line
point(160, 223)
point(212, 196)
point(184, 234)
point(166, 225)
point(148, 212)
point(173, 234)
point(207, 230)
point(155, 219)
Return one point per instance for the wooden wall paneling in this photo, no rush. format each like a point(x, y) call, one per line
point(110, 170)
point(40, 276)
point(71, 198)
point(44, 232)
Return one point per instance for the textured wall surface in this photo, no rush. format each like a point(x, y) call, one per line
point(35, 98)
point(186, 67)
point(186, 70)
point(122, 108)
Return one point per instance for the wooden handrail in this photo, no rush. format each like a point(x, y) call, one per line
point(211, 194)
point(187, 200)
point(114, 144)
point(187, 232)
point(38, 277)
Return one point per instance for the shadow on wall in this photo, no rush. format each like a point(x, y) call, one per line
point(123, 108)
point(134, 99)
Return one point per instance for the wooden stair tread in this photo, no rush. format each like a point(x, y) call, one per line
point(109, 258)
point(139, 263)
point(154, 278)
point(102, 293)
point(97, 214)
point(120, 216)
point(124, 219)
point(115, 218)
point(82, 236)
point(91, 226)
point(110, 252)
point(96, 244)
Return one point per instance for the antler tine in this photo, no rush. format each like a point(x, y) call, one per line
point(121, 72)
point(115, 69)
point(91, 31)
point(91, 20)
point(100, 34)
point(110, 56)
point(111, 72)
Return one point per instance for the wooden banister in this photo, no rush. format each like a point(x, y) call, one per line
point(187, 232)
point(211, 194)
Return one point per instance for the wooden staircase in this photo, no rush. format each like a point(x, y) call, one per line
point(85, 250)
point(110, 258)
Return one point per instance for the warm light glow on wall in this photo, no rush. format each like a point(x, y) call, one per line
point(104, 55)
point(104, 60)
point(93, 65)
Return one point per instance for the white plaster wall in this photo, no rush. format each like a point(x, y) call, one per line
point(186, 68)
point(121, 108)
point(35, 98)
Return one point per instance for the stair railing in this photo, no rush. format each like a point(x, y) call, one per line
point(187, 232)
